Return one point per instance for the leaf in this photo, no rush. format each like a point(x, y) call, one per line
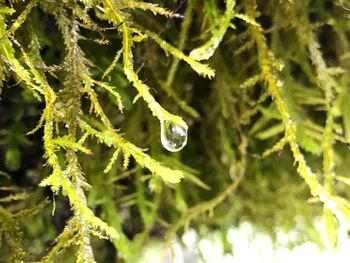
point(111, 91)
point(14, 197)
point(113, 64)
point(112, 161)
point(32, 210)
point(154, 8)
point(277, 147)
point(251, 82)
point(271, 131)
point(126, 157)
point(307, 142)
point(247, 19)
point(67, 143)
point(343, 179)
point(194, 179)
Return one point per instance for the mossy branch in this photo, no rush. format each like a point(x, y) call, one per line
point(223, 23)
point(247, 74)
point(327, 84)
point(111, 138)
point(274, 85)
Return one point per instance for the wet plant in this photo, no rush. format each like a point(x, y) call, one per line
point(130, 120)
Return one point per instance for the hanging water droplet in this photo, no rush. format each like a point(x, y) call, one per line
point(173, 136)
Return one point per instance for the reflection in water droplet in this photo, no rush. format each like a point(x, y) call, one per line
point(173, 136)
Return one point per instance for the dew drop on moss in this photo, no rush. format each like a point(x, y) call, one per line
point(173, 136)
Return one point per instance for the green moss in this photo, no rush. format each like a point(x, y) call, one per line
point(266, 115)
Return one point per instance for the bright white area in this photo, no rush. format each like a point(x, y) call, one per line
point(248, 246)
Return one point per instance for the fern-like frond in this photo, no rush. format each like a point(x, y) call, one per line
point(14, 197)
point(111, 138)
point(112, 161)
point(274, 86)
point(19, 20)
point(67, 143)
point(201, 69)
point(113, 64)
point(59, 180)
point(250, 82)
point(277, 147)
point(154, 8)
point(142, 88)
point(224, 22)
point(111, 91)
point(327, 83)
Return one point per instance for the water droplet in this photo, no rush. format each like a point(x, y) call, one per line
point(173, 136)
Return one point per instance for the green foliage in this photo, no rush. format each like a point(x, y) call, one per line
point(269, 85)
